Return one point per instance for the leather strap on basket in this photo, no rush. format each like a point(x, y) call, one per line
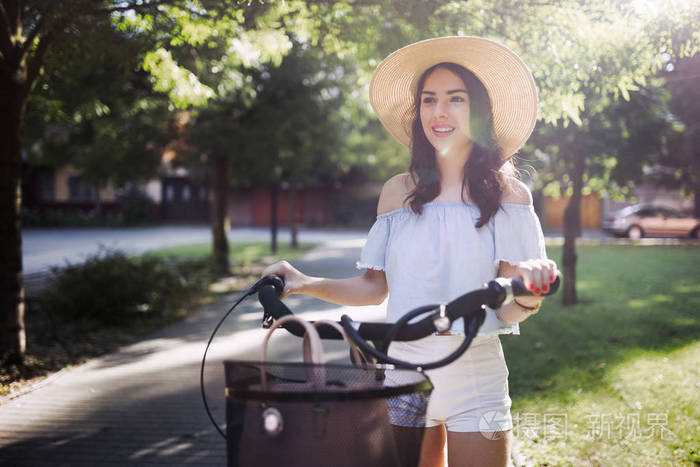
point(354, 352)
point(314, 354)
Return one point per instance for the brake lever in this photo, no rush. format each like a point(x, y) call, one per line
point(267, 320)
point(278, 283)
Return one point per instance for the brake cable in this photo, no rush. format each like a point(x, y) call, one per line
point(267, 280)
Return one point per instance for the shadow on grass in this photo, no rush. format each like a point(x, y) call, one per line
point(634, 301)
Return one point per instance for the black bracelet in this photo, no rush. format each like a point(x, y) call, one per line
point(529, 309)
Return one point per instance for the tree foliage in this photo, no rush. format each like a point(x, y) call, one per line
point(618, 137)
point(680, 167)
point(585, 56)
point(97, 111)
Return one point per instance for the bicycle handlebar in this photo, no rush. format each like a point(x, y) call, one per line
point(468, 306)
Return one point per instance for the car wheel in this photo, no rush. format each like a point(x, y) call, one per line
point(695, 233)
point(635, 232)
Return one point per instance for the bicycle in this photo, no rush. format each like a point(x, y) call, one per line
point(385, 396)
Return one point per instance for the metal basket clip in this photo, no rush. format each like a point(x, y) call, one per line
point(440, 319)
point(272, 421)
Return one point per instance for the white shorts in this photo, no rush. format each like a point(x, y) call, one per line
point(471, 393)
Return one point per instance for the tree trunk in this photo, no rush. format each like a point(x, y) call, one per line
point(97, 209)
point(696, 197)
point(219, 215)
point(293, 225)
point(273, 218)
point(572, 229)
point(693, 134)
point(13, 96)
point(20, 65)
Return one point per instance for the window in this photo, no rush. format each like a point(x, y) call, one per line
point(79, 190)
point(46, 185)
point(647, 212)
point(669, 213)
point(186, 193)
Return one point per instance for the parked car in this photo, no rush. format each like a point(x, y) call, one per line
point(644, 220)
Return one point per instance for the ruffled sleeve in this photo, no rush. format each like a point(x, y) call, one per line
point(374, 252)
point(517, 234)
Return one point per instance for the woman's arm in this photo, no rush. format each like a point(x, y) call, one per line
point(369, 288)
point(537, 275)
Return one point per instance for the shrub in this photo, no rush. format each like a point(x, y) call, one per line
point(135, 205)
point(68, 218)
point(113, 289)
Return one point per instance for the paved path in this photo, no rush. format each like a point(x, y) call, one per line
point(142, 405)
point(43, 248)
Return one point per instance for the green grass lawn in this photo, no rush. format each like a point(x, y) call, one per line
point(244, 253)
point(247, 261)
point(614, 380)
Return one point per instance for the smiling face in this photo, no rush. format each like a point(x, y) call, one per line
point(444, 112)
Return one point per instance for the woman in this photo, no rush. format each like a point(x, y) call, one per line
point(459, 218)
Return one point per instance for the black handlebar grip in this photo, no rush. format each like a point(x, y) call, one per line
point(276, 281)
point(519, 289)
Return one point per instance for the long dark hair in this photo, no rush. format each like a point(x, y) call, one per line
point(482, 172)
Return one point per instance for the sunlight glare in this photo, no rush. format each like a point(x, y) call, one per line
point(646, 7)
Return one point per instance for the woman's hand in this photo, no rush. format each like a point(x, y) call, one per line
point(537, 274)
point(294, 280)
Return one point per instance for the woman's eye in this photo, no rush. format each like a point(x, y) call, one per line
point(457, 99)
point(428, 100)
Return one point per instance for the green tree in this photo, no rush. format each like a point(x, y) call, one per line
point(296, 120)
point(288, 133)
point(601, 48)
point(582, 56)
point(28, 30)
point(97, 111)
point(680, 167)
point(216, 133)
point(610, 147)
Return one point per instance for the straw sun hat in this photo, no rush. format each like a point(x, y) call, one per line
point(505, 76)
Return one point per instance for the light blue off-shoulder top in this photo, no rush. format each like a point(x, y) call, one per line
point(439, 255)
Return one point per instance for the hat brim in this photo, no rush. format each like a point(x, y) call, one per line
point(508, 81)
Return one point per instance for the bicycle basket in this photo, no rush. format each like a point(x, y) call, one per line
point(305, 414)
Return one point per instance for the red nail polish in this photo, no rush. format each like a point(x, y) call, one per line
point(545, 288)
point(537, 291)
point(551, 278)
point(532, 287)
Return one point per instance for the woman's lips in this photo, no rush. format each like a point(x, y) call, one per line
point(442, 131)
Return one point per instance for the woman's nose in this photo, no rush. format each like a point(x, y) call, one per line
point(441, 109)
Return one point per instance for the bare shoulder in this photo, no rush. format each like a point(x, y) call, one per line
point(516, 192)
point(394, 193)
